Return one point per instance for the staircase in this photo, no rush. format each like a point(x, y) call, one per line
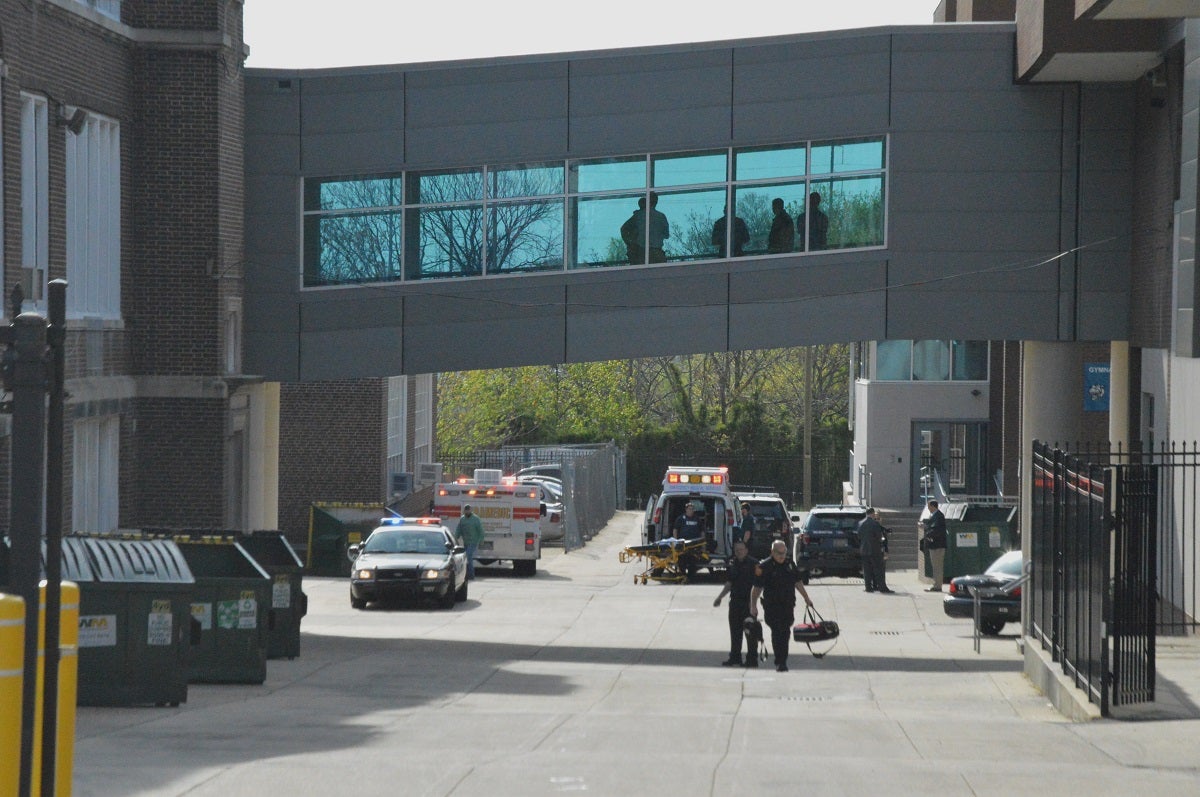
point(902, 542)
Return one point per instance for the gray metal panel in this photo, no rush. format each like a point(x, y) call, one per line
point(272, 355)
point(351, 353)
point(660, 101)
point(933, 312)
point(273, 153)
point(811, 89)
point(932, 150)
point(352, 124)
point(463, 326)
point(942, 111)
point(808, 303)
point(635, 313)
point(118, 560)
point(967, 62)
point(1103, 315)
point(487, 114)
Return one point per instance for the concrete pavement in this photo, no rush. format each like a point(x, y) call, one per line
point(580, 680)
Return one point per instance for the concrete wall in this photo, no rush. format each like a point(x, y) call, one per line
point(982, 201)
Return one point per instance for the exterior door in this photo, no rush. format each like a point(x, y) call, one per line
point(955, 452)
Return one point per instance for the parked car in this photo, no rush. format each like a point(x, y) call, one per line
point(551, 469)
point(827, 543)
point(408, 558)
point(771, 521)
point(551, 485)
point(995, 610)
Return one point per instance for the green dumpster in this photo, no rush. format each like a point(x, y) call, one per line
point(229, 612)
point(134, 609)
point(976, 535)
point(275, 554)
point(332, 529)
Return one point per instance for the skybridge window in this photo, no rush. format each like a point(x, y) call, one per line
point(628, 210)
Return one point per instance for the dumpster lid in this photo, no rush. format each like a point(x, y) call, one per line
point(271, 549)
point(220, 557)
point(158, 561)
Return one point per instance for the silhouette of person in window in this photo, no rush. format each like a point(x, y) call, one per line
point(782, 237)
point(818, 225)
point(741, 236)
point(633, 233)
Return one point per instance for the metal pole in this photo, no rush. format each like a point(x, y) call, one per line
point(808, 397)
point(56, 337)
point(28, 386)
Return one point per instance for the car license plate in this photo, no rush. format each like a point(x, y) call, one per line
point(841, 544)
point(486, 545)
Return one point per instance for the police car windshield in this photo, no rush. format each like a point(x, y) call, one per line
point(406, 542)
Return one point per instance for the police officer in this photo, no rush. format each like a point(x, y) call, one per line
point(776, 581)
point(739, 581)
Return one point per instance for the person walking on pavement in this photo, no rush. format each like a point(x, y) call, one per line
point(934, 542)
point(871, 541)
point(739, 583)
point(470, 532)
point(776, 581)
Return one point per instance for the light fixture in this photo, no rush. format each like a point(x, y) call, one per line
point(75, 121)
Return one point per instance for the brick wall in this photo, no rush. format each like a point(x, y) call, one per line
point(332, 447)
point(177, 443)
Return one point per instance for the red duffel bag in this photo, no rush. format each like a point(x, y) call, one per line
point(815, 628)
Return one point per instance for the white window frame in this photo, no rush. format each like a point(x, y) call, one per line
point(423, 419)
point(35, 198)
point(93, 173)
point(397, 424)
point(95, 488)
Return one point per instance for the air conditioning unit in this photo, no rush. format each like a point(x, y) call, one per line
point(400, 484)
point(428, 473)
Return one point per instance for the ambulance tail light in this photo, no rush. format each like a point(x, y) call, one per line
point(530, 541)
point(657, 515)
point(729, 520)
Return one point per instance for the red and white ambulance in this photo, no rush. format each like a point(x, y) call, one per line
point(511, 515)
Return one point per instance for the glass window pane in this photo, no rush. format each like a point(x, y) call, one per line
point(849, 214)
point(522, 181)
point(525, 236)
point(769, 163)
point(847, 156)
point(770, 232)
point(931, 360)
point(970, 359)
point(688, 219)
point(446, 187)
point(444, 242)
point(893, 360)
point(360, 247)
point(671, 170)
point(610, 174)
point(598, 238)
point(376, 192)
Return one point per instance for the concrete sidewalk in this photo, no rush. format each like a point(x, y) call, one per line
point(581, 680)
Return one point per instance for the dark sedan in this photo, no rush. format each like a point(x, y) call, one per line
point(998, 607)
point(408, 558)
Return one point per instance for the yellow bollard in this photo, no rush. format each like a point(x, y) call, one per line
point(12, 671)
point(68, 669)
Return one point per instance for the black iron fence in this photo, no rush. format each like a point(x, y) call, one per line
point(1114, 562)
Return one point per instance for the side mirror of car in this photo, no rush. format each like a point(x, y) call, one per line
point(460, 549)
point(352, 552)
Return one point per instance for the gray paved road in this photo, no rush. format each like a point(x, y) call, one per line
point(580, 680)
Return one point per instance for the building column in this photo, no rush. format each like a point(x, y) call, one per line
point(1118, 394)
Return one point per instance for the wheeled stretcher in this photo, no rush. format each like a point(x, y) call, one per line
point(668, 560)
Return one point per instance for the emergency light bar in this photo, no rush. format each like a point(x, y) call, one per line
point(695, 478)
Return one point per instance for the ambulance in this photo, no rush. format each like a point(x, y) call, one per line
point(511, 515)
point(708, 491)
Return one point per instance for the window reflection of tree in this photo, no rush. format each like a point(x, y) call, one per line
point(360, 248)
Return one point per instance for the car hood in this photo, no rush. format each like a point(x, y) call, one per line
point(401, 560)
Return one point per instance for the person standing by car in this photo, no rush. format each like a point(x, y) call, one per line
point(776, 581)
point(871, 537)
point(470, 533)
point(746, 527)
point(934, 542)
point(739, 583)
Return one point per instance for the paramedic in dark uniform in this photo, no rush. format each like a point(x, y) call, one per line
point(688, 526)
point(739, 582)
point(777, 580)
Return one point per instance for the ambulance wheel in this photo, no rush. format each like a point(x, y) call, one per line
point(525, 567)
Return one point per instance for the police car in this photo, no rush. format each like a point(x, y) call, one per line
point(408, 558)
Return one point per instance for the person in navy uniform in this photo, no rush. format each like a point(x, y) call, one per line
point(739, 583)
point(688, 526)
point(776, 581)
